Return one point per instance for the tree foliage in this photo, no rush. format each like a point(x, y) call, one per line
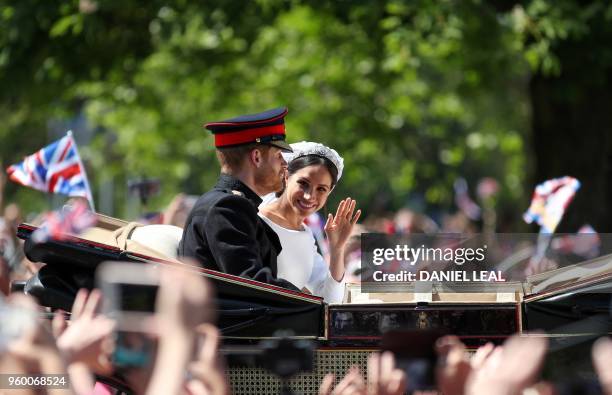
point(412, 94)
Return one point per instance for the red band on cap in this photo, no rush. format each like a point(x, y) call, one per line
point(247, 135)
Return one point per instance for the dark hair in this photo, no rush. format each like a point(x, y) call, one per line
point(313, 160)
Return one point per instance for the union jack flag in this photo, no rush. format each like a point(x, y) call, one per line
point(56, 168)
point(72, 220)
point(550, 199)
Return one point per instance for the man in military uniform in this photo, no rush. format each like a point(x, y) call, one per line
point(223, 231)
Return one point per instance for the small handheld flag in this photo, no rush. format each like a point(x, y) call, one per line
point(70, 221)
point(550, 199)
point(56, 168)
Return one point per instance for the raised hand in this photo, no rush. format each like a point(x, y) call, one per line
point(454, 367)
point(384, 378)
point(35, 343)
point(208, 371)
point(184, 301)
point(36, 349)
point(339, 227)
point(88, 338)
point(351, 384)
point(602, 359)
point(508, 369)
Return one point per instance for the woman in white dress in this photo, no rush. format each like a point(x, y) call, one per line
point(312, 173)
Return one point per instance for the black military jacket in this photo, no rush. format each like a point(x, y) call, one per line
point(224, 233)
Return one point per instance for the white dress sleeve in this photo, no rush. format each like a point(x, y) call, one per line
point(322, 283)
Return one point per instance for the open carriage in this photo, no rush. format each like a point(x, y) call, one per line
point(571, 304)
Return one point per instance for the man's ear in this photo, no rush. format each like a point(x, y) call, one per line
point(256, 157)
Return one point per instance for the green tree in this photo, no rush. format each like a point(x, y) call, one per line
point(413, 94)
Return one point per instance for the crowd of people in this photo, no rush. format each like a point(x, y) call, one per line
point(233, 230)
point(184, 322)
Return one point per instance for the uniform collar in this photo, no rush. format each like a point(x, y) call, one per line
point(226, 181)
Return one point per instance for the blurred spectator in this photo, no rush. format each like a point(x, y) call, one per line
point(174, 214)
point(180, 311)
point(383, 378)
point(179, 208)
point(458, 223)
point(10, 245)
point(407, 221)
point(352, 255)
point(34, 350)
point(11, 250)
point(83, 347)
point(380, 224)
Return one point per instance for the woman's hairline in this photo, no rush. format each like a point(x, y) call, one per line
point(326, 161)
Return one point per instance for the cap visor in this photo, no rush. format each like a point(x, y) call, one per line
point(282, 144)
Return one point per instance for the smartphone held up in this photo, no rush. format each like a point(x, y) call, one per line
point(130, 291)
